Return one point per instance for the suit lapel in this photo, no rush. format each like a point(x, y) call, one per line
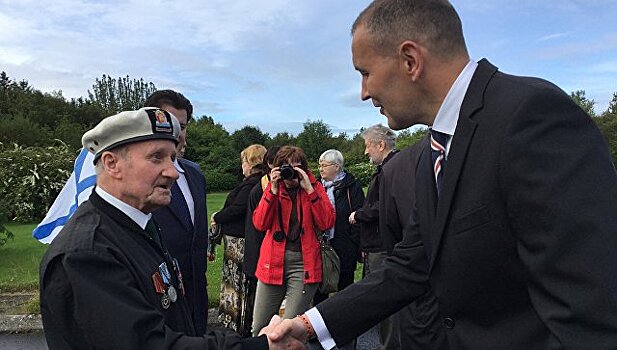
point(465, 129)
point(191, 179)
point(177, 207)
point(426, 196)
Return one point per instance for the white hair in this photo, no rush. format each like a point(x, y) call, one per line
point(333, 156)
point(377, 133)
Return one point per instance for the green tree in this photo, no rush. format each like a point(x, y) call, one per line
point(210, 145)
point(315, 138)
point(612, 106)
point(31, 178)
point(41, 111)
point(113, 95)
point(586, 104)
point(281, 139)
point(353, 149)
point(407, 138)
point(22, 131)
point(70, 133)
point(247, 136)
point(607, 123)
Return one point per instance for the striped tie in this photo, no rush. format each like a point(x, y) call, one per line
point(439, 141)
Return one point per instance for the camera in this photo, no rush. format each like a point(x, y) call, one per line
point(288, 172)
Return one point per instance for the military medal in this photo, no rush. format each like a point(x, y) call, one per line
point(159, 286)
point(165, 301)
point(179, 273)
point(173, 295)
point(165, 273)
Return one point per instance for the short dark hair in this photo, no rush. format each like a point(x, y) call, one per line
point(175, 99)
point(293, 154)
point(432, 23)
point(270, 155)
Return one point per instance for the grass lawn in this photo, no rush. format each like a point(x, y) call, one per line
point(19, 260)
point(20, 257)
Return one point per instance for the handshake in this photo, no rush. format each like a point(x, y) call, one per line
point(288, 334)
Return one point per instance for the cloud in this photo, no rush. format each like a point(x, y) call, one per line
point(138, 37)
point(595, 45)
point(553, 36)
point(351, 98)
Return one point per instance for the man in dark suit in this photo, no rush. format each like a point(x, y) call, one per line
point(183, 222)
point(419, 323)
point(379, 143)
point(515, 197)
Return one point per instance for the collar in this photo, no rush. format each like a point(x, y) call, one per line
point(447, 116)
point(178, 167)
point(386, 159)
point(135, 214)
point(337, 179)
point(389, 156)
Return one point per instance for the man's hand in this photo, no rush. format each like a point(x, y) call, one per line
point(287, 330)
point(285, 342)
point(352, 218)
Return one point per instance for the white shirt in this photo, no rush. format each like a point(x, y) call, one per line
point(445, 122)
point(186, 191)
point(447, 116)
point(135, 214)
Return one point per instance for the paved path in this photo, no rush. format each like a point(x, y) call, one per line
point(36, 341)
point(27, 341)
point(25, 332)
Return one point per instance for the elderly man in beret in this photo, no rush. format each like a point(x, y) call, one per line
point(108, 281)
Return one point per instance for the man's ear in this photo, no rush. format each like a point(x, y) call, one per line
point(382, 145)
point(111, 164)
point(412, 57)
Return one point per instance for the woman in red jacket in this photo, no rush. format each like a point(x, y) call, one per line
point(289, 265)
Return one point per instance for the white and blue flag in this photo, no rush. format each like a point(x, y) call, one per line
point(76, 191)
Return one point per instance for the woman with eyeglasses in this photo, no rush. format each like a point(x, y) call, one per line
point(346, 195)
point(292, 206)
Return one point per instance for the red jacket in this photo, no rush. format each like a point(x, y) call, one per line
point(317, 212)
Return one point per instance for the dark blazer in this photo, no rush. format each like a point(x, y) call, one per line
point(97, 289)
point(232, 216)
point(189, 244)
point(346, 241)
point(420, 324)
point(253, 238)
point(368, 215)
point(520, 249)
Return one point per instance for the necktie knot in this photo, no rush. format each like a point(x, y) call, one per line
point(439, 141)
point(152, 231)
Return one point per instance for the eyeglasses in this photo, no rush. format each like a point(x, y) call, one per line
point(326, 165)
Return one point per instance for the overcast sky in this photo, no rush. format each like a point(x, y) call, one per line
point(276, 64)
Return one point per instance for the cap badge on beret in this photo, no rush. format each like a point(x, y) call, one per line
point(148, 123)
point(161, 121)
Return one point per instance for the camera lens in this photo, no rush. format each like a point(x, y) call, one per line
point(287, 172)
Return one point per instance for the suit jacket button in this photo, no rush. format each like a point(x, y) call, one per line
point(448, 322)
